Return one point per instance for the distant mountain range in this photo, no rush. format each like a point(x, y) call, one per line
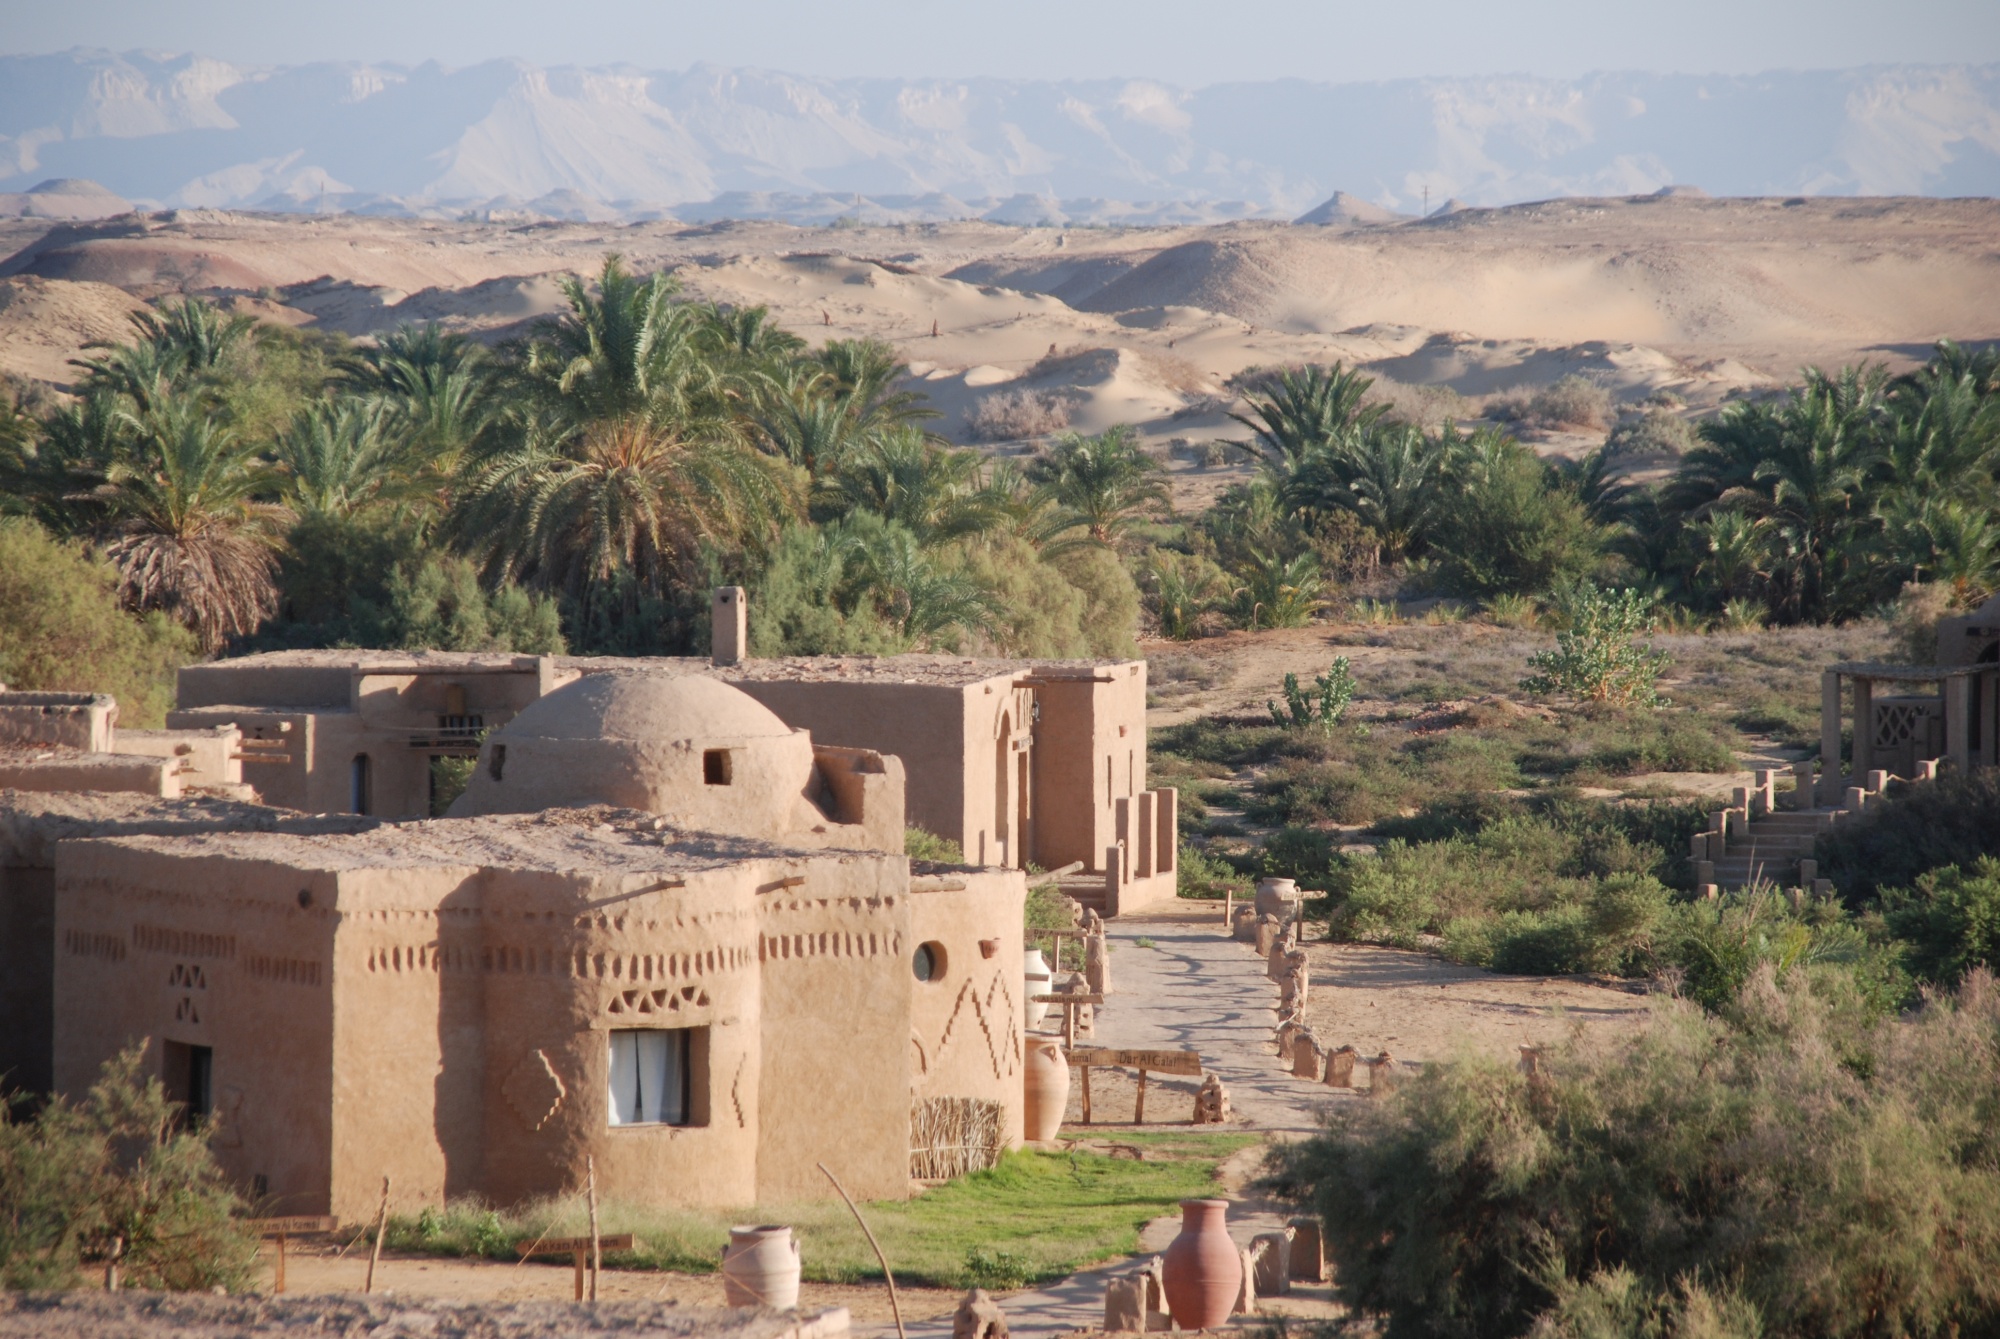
point(509, 137)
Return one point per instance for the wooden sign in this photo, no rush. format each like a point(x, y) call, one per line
point(1160, 1062)
point(1062, 998)
point(570, 1245)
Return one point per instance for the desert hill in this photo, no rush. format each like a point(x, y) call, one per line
point(1036, 328)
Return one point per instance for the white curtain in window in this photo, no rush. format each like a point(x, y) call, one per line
point(647, 1073)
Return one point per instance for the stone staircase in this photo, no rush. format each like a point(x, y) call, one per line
point(1756, 840)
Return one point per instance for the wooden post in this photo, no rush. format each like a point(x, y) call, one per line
point(1086, 1094)
point(278, 1281)
point(579, 1255)
point(1228, 905)
point(895, 1307)
point(1139, 1105)
point(111, 1260)
point(1829, 739)
point(381, 1225)
point(596, 1242)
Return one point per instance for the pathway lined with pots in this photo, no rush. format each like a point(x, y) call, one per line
point(1179, 982)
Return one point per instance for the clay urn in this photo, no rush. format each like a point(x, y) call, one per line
point(1277, 897)
point(1038, 977)
point(1204, 1268)
point(1046, 1075)
point(760, 1267)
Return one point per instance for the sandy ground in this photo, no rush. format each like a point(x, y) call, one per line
point(320, 1270)
point(1419, 1008)
point(1142, 326)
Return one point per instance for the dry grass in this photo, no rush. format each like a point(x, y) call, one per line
point(1017, 414)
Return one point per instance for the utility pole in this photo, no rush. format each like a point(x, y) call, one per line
point(1427, 202)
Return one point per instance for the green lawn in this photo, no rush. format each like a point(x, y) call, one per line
point(1035, 1217)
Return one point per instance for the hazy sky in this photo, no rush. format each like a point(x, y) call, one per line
point(1176, 40)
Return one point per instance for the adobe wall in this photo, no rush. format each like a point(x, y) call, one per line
point(68, 770)
point(563, 960)
point(965, 1024)
point(1090, 752)
point(156, 940)
point(835, 956)
point(83, 721)
point(923, 724)
point(1000, 736)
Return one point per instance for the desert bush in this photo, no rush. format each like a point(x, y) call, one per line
point(923, 844)
point(62, 629)
point(1950, 920)
point(1915, 619)
point(1424, 406)
point(1596, 658)
point(1573, 401)
point(1205, 876)
point(119, 1164)
point(1654, 432)
point(1007, 416)
point(1784, 1168)
point(1514, 611)
point(1182, 591)
point(439, 604)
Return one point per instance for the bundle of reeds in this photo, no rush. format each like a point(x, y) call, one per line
point(950, 1136)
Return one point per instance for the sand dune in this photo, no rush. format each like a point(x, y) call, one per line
point(1706, 297)
point(46, 322)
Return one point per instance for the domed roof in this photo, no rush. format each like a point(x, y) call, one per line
point(646, 706)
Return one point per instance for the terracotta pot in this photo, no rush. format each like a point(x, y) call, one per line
point(1039, 979)
point(1204, 1268)
point(760, 1267)
point(1277, 897)
point(1047, 1088)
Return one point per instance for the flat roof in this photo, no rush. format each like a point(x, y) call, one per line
point(375, 662)
point(908, 668)
point(1862, 669)
point(600, 840)
point(954, 671)
point(31, 822)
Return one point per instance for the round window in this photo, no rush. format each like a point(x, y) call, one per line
point(928, 964)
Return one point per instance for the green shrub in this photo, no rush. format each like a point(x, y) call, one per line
point(1950, 920)
point(1205, 876)
point(62, 630)
point(1596, 658)
point(1512, 533)
point(1952, 821)
point(1785, 1168)
point(118, 1164)
point(919, 844)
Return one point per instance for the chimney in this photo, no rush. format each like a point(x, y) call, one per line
point(729, 614)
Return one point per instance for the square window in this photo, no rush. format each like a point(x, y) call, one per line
point(715, 767)
point(653, 1076)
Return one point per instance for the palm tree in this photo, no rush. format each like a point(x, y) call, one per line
point(55, 475)
point(187, 531)
point(570, 509)
point(811, 429)
point(631, 351)
point(1281, 592)
point(437, 385)
point(340, 457)
point(1826, 453)
point(916, 594)
point(1312, 406)
point(1106, 482)
point(1392, 476)
point(195, 332)
point(864, 373)
point(746, 333)
point(935, 493)
point(625, 453)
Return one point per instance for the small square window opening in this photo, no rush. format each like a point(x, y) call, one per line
point(715, 767)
